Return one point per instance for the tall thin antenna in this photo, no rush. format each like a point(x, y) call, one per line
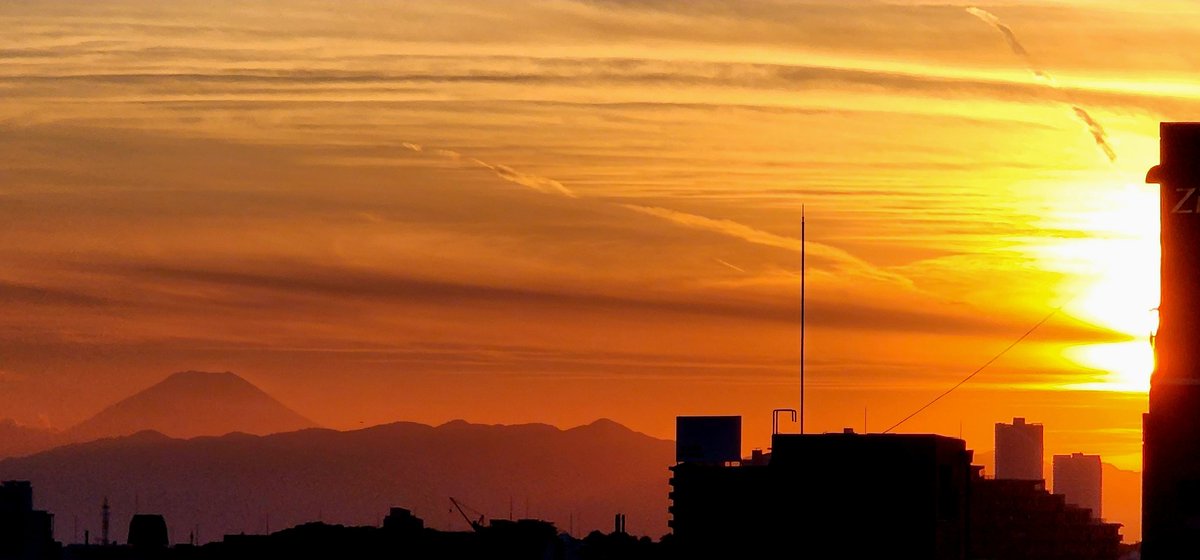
point(803, 280)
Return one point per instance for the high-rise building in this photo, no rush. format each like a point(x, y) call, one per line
point(1171, 429)
point(1077, 477)
point(1019, 450)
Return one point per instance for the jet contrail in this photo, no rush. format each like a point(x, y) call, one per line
point(842, 259)
point(719, 261)
point(1093, 126)
point(1097, 132)
point(1011, 38)
point(535, 182)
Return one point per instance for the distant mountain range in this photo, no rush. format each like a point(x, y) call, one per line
point(244, 483)
point(185, 404)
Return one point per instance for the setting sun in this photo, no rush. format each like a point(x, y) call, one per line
point(1112, 278)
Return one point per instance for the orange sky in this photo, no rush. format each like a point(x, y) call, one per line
point(563, 210)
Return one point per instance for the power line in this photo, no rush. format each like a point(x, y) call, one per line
point(982, 367)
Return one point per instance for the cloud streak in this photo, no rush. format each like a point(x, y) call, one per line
point(1013, 43)
point(538, 183)
point(1093, 126)
point(1097, 132)
point(730, 266)
point(841, 259)
point(306, 285)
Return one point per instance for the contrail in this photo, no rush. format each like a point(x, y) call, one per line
point(843, 259)
point(542, 184)
point(1093, 126)
point(1013, 43)
point(719, 261)
point(1097, 131)
point(535, 182)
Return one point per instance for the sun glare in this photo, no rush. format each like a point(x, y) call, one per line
point(1114, 270)
point(1126, 366)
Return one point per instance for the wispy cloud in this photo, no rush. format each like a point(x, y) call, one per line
point(841, 259)
point(536, 182)
point(730, 266)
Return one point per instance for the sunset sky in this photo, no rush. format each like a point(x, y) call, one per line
point(562, 210)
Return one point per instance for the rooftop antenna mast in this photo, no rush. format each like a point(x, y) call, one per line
point(803, 279)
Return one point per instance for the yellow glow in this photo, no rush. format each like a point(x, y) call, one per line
point(1114, 273)
point(1127, 365)
point(1124, 292)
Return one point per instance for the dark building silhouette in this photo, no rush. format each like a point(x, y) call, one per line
point(402, 536)
point(1171, 428)
point(708, 439)
point(1020, 520)
point(1019, 450)
point(25, 533)
point(402, 521)
point(847, 495)
point(148, 531)
point(854, 495)
point(1078, 479)
point(617, 546)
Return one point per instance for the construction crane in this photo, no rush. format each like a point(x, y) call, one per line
point(476, 525)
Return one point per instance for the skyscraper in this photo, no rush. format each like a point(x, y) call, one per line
point(1171, 429)
point(1019, 450)
point(1077, 477)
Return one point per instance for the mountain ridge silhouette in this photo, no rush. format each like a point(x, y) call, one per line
point(235, 482)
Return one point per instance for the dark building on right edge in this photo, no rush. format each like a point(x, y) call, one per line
point(1171, 429)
